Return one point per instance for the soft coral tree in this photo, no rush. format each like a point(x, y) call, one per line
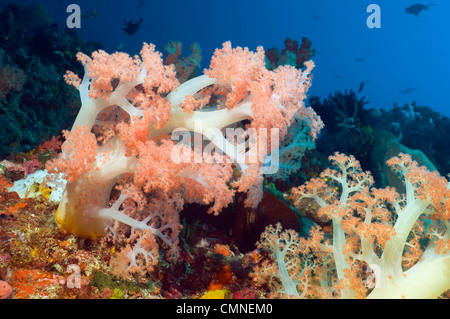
point(124, 136)
point(383, 244)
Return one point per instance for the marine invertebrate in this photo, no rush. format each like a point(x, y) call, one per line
point(126, 131)
point(347, 129)
point(412, 125)
point(383, 244)
point(12, 78)
point(291, 54)
point(187, 67)
point(5, 290)
point(297, 142)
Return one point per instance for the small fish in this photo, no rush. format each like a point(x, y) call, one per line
point(140, 4)
point(94, 13)
point(131, 28)
point(361, 87)
point(408, 90)
point(360, 60)
point(315, 18)
point(417, 8)
point(120, 45)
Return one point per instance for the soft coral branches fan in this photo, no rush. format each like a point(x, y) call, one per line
point(383, 244)
point(124, 134)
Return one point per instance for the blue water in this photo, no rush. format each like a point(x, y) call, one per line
point(407, 54)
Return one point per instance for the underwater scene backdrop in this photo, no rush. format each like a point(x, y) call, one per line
point(224, 149)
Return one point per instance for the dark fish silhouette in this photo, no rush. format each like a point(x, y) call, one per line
point(140, 4)
point(131, 27)
point(408, 90)
point(361, 87)
point(94, 13)
point(417, 8)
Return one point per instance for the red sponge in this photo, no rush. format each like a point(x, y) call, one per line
point(5, 290)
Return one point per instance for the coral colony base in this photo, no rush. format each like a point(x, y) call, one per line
point(144, 146)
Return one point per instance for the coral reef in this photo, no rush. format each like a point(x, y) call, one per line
point(187, 67)
point(291, 54)
point(120, 145)
point(347, 129)
point(419, 127)
point(103, 201)
point(34, 55)
point(383, 245)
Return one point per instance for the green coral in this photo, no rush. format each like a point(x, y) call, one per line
point(102, 281)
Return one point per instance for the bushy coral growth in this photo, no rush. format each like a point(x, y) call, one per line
point(162, 144)
point(383, 244)
point(291, 54)
point(12, 78)
point(187, 67)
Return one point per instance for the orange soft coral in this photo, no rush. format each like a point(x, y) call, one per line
point(127, 132)
point(380, 230)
